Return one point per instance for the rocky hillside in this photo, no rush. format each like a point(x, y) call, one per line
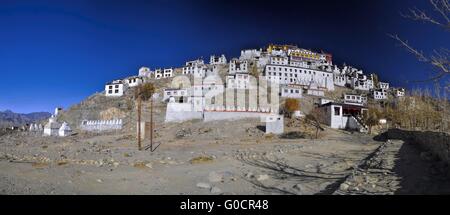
point(100, 107)
point(9, 118)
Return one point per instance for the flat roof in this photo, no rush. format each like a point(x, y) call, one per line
point(343, 105)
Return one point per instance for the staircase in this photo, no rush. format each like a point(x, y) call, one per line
point(363, 128)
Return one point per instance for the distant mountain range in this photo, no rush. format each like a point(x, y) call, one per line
point(9, 118)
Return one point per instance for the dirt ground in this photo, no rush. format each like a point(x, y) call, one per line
point(224, 157)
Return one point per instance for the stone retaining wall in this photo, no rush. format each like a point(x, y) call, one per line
point(438, 143)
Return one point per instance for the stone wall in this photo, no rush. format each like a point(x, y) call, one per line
point(101, 125)
point(438, 143)
point(232, 115)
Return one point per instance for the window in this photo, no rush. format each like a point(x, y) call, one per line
point(117, 91)
point(337, 111)
point(117, 86)
point(110, 87)
point(110, 91)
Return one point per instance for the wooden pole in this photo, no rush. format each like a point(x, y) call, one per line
point(151, 124)
point(139, 120)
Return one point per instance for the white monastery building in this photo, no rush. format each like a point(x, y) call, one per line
point(115, 88)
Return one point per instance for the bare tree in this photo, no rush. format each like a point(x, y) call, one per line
point(439, 57)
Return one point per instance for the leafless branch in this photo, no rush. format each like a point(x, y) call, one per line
point(441, 6)
point(439, 59)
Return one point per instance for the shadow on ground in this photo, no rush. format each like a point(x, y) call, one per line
point(419, 171)
point(279, 170)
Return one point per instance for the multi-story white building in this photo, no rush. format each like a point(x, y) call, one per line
point(284, 74)
point(158, 73)
point(195, 67)
point(355, 99)
point(115, 88)
point(167, 73)
point(292, 91)
point(217, 60)
point(134, 81)
point(379, 94)
point(279, 60)
point(238, 66)
point(361, 84)
point(384, 85)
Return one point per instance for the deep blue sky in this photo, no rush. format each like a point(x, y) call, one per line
point(56, 53)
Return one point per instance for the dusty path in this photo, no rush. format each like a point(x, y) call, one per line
point(397, 167)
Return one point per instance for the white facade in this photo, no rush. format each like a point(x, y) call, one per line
point(239, 81)
point(334, 116)
point(238, 66)
point(134, 81)
point(158, 74)
point(279, 60)
point(355, 99)
point(163, 73)
point(195, 67)
point(64, 130)
point(360, 84)
point(340, 79)
point(291, 91)
point(217, 60)
point(274, 124)
point(379, 94)
point(384, 85)
point(115, 88)
point(176, 93)
point(400, 92)
point(52, 127)
point(168, 73)
point(299, 76)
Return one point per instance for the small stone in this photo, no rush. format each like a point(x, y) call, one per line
point(216, 190)
point(262, 177)
point(214, 177)
point(299, 187)
point(249, 175)
point(149, 165)
point(203, 185)
point(99, 180)
point(344, 186)
point(116, 164)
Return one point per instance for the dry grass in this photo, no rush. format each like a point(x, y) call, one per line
point(39, 165)
point(141, 164)
point(62, 162)
point(201, 159)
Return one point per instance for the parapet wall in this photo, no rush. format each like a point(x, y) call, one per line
point(438, 143)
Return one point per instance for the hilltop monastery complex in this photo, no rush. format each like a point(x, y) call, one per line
point(296, 72)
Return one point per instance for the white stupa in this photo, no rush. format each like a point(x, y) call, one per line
point(52, 127)
point(65, 130)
